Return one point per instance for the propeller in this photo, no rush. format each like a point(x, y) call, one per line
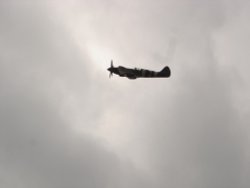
point(110, 69)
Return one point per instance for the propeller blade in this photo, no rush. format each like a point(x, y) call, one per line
point(110, 74)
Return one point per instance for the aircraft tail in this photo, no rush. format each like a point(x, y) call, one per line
point(165, 72)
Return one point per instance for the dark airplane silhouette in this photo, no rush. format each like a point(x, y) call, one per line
point(138, 73)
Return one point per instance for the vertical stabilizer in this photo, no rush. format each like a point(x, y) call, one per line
point(165, 72)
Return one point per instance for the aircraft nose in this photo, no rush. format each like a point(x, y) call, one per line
point(109, 69)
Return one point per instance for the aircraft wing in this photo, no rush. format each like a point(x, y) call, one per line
point(130, 73)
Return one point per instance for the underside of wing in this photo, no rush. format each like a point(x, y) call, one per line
point(124, 72)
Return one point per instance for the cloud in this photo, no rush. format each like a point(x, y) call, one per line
point(42, 71)
point(63, 123)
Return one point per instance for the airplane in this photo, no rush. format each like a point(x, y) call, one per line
point(138, 73)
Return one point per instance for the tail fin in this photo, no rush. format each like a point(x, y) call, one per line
point(165, 72)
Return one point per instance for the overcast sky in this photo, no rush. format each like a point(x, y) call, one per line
point(64, 123)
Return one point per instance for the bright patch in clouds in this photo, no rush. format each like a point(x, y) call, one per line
point(100, 56)
point(188, 131)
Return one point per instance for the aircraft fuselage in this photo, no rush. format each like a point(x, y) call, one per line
point(139, 73)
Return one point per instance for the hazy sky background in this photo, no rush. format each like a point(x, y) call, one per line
point(64, 123)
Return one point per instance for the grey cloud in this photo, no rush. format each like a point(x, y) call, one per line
point(40, 69)
point(186, 131)
point(191, 132)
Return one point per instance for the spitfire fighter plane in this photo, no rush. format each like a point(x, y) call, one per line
point(138, 73)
